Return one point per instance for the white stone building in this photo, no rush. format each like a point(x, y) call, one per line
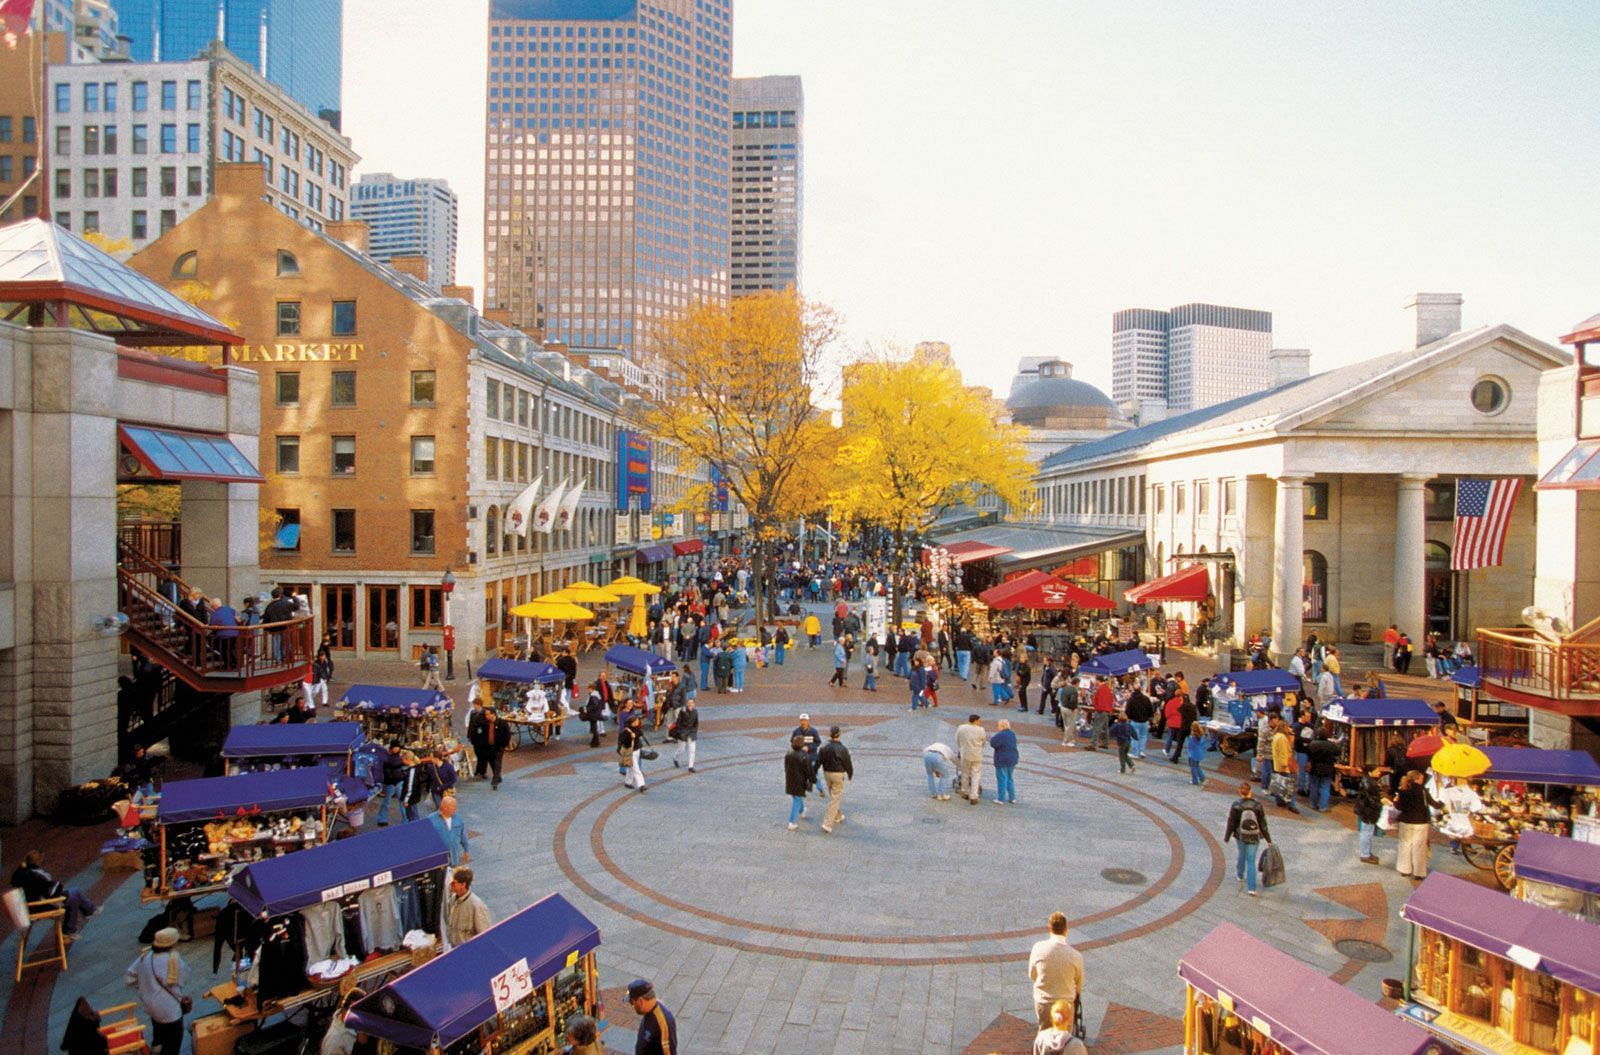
point(409, 217)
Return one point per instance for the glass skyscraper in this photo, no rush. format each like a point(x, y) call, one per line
point(295, 44)
point(606, 154)
point(768, 192)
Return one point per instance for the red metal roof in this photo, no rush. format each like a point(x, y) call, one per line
point(1187, 584)
point(972, 549)
point(1037, 589)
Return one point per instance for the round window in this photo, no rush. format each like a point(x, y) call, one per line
point(1490, 396)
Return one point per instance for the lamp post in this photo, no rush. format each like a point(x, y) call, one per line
point(448, 585)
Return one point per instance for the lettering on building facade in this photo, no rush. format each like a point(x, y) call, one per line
point(297, 353)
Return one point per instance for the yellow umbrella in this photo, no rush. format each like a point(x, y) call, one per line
point(639, 622)
point(588, 593)
point(628, 586)
point(551, 606)
point(1460, 760)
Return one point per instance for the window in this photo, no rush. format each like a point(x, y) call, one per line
point(491, 530)
point(169, 139)
point(344, 531)
point(108, 97)
point(422, 382)
point(63, 141)
point(1316, 500)
point(287, 537)
point(141, 139)
point(422, 531)
point(63, 184)
point(1230, 498)
point(30, 129)
point(169, 220)
point(6, 126)
point(427, 602)
point(141, 96)
point(1159, 498)
point(288, 455)
point(522, 408)
point(141, 182)
point(344, 455)
point(91, 139)
point(169, 182)
point(1202, 497)
point(1314, 588)
point(64, 219)
point(187, 265)
point(1179, 493)
point(191, 138)
point(91, 221)
point(169, 95)
point(344, 388)
point(422, 456)
point(193, 92)
point(492, 399)
point(108, 140)
point(1439, 501)
point(288, 267)
point(1490, 395)
point(288, 318)
point(63, 98)
point(344, 318)
point(108, 183)
point(141, 224)
point(491, 460)
point(91, 98)
point(288, 387)
point(194, 188)
point(7, 163)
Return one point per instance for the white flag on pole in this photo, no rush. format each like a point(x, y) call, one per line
point(569, 505)
point(520, 511)
point(544, 518)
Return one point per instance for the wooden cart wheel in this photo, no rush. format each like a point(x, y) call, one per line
point(1478, 855)
point(1504, 870)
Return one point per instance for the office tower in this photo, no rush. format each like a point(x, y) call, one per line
point(409, 217)
point(606, 165)
point(90, 24)
point(133, 145)
point(768, 187)
point(295, 44)
point(1193, 356)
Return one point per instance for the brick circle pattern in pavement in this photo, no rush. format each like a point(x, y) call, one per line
point(1125, 796)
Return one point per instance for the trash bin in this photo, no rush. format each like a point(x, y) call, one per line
point(1361, 633)
point(1238, 659)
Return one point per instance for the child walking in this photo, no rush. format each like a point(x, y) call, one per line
point(1197, 752)
point(1122, 733)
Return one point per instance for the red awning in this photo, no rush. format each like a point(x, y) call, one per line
point(1036, 589)
point(166, 454)
point(971, 550)
point(688, 546)
point(1188, 584)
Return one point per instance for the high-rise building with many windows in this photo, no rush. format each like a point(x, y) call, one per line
point(606, 165)
point(296, 44)
point(409, 217)
point(768, 185)
point(1193, 356)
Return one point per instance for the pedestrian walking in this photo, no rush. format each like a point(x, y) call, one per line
point(1104, 706)
point(686, 730)
point(833, 763)
point(811, 740)
point(1197, 747)
point(840, 658)
point(939, 763)
point(1056, 970)
point(1414, 819)
point(393, 774)
point(1123, 735)
point(1247, 822)
point(630, 746)
point(1004, 745)
point(930, 681)
point(1067, 713)
point(1369, 808)
point(160, 975)
point(1139, 710)
point(430, 669)
point(315, 688)
point(798, 774)
point(1283, 765)
point(780, 645)
point(970, 739)
point(658, 1030)
point(453, 830)
point(998, 692)
point(465, 914)
point(1322, 759)
point(1024, 673)
point(1058, 1038)
point(869, 663)
point(813, 629)
point(496, 738)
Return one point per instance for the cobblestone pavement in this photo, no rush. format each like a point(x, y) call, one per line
point(907, 930)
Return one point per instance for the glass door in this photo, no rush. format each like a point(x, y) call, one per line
point(339, 616)
point(383, 618)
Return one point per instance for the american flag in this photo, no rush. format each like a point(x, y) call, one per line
point(1483, 508)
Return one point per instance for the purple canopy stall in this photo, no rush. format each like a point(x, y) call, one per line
point(1296, 1006)
point(1544, 858)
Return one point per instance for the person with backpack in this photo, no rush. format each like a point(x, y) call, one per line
point(1247, 822)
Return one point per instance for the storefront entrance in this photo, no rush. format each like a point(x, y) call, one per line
point(1441, 592)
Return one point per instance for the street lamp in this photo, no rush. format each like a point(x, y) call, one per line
point(448, 585)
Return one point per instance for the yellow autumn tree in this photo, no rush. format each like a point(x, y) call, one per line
point(916, 443)
point(745, 378)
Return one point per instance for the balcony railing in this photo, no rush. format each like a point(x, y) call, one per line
point(1523, 659)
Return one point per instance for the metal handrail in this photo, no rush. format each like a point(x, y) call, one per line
point(1522, 658)
point(215, 651)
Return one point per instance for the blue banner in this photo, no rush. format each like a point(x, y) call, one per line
point(719, 491)
point(633, 471)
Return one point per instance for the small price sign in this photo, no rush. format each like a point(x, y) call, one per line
point(512, 985)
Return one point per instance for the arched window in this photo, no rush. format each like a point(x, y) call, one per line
point(187, 265)
point(288, 266)
point(1437, 554)
point(491, 532)
point(1314, 588)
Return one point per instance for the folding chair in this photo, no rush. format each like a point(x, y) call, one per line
point(124, 1035)
point(50, 911)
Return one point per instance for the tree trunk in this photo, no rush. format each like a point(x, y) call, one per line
point(896, 575)
point(758, 588)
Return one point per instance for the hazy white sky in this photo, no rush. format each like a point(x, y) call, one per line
point(1003, 175)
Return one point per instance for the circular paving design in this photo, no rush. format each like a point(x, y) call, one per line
point(665, 893)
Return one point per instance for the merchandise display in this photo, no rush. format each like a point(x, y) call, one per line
point(1373, 726)
point(1560, 874)
point(528, 696)
point(261, 748)
point(420, 720)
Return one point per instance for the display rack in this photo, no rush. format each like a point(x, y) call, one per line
point(261, 748)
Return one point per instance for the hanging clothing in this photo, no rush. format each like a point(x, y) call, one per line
point(410, 910)
point(354, 943)
point(282, 966)
point(380, 919)
point(238, 930)
point(324, 932)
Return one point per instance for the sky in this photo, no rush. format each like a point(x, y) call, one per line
point(1004, 175)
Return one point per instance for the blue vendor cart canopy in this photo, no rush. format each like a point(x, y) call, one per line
point(1306, 1012)
point(394, 699)
point(247, 793)
point(1471, 677)
point(280, 885)
point(448, 997)
point(278, 741)
point(1534, 765)
point(521, 672)
point(1386, 710)
point(1536, 937)
point(1117, 664)
point(637, 660)
point(1545, 858)
point(1258, 682)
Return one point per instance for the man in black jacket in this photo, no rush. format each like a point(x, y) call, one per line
point(686, 730)
point(279, 610)
point(833, 761)
point(39, 885)
point(394, 779)
point(1369, 807)
point(568, 666)
point(810, 738)
point(798, 771)
point(1322, 759)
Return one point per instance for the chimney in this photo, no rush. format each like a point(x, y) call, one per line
point(352, 233)
point(414, 265)
point(1289, 364)
point(500, 315)
point(1438, 316)
point(458, 292)
point(239, 180)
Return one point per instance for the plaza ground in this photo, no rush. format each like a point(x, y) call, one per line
point(907, 930)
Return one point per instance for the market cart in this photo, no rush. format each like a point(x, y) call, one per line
point(1117, 664)
point(417, 719)
point(259, 748)
point(203, 830)
point(1560, 874)
point(388, 884)
point(1489, 973)
point(505, 683)
point(1238, 700)
point(1372, 725)
point(1243, 995)
point(510, 990)
point(644, 673)
point(1528, 789)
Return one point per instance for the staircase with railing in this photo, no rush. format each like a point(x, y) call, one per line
point(1523, 666)
point(220, 659)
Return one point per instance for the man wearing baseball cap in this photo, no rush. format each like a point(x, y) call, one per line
point(658, 1030)
point(811, 743)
